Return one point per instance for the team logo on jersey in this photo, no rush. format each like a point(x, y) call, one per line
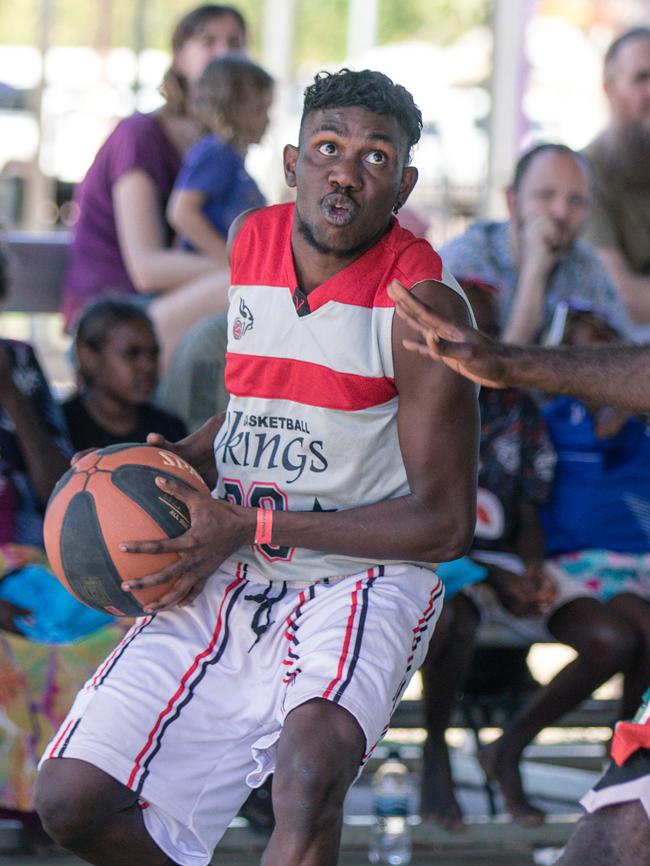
point(243, 322)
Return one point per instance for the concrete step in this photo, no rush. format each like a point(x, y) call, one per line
point(495, 842)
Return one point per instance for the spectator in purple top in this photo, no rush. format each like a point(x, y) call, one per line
point(121, 242)
point(232, 98)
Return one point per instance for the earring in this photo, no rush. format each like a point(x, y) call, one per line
point(396, 207)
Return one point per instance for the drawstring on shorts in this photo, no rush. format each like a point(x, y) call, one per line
point(265, 602)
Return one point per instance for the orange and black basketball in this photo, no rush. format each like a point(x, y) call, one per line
point(107, 497)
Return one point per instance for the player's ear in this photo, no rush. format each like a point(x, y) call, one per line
point(289, 158)
point(409, 179)
point(511, 200)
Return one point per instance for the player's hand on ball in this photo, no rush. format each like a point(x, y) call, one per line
point(217, 530)
point(196, 449)
point(79, 455)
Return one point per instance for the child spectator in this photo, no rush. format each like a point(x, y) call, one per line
point(232, 98)
point(596, 523)
point(117, 355)
point(601, 604)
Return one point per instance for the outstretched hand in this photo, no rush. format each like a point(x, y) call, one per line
point(217, 530)
point(463, 349)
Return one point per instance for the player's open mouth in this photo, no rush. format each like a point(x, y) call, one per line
point(339, 210)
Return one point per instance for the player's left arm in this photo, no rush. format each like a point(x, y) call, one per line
point(439, 428)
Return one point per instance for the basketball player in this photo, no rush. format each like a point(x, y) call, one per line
point(616, 828)
point(305, 594)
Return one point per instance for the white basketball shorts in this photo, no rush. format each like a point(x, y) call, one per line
point(188, 708)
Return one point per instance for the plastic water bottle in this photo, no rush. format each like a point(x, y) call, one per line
point(390, 841)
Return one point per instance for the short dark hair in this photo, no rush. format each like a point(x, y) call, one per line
point(525, 160)
point(98, 318)
point(367, 89)
point(630, 35)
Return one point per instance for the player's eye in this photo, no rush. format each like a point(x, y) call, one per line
point(376, 157)
point(327, 148)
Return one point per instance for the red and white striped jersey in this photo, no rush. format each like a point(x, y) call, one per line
point(312, 419)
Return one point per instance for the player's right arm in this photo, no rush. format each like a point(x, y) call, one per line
point(616, 375)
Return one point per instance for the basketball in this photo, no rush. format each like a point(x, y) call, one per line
point(108, 497)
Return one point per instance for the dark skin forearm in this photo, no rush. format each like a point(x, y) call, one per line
point(404, 528)
point(616, 375)
point(410, 526)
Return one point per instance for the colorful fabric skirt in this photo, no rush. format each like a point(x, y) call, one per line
point(38, 683)
point(605, 573)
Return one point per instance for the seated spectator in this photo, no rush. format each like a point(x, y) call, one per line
point(117, 358)
point(619, 220)
point(232, 99)
point(601, 604)
point(121, 242)
point(598, 536)
point(515, 474)
point(535, 258)
point(49, 642)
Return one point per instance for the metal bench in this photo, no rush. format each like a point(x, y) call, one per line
point(36, 263)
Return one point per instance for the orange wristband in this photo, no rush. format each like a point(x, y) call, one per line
point(264, 528)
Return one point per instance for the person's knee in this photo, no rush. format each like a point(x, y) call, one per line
point(74, 800)
point(316, 771)
point(600, 636)
point(610, 642)
point(614, 834)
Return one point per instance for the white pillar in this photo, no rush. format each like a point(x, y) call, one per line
point(39, 189)
point(278, 30)
point(508, 123)
point(278, 35)
point(363, 18)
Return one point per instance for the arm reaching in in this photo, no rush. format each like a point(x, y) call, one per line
point(616, 375)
